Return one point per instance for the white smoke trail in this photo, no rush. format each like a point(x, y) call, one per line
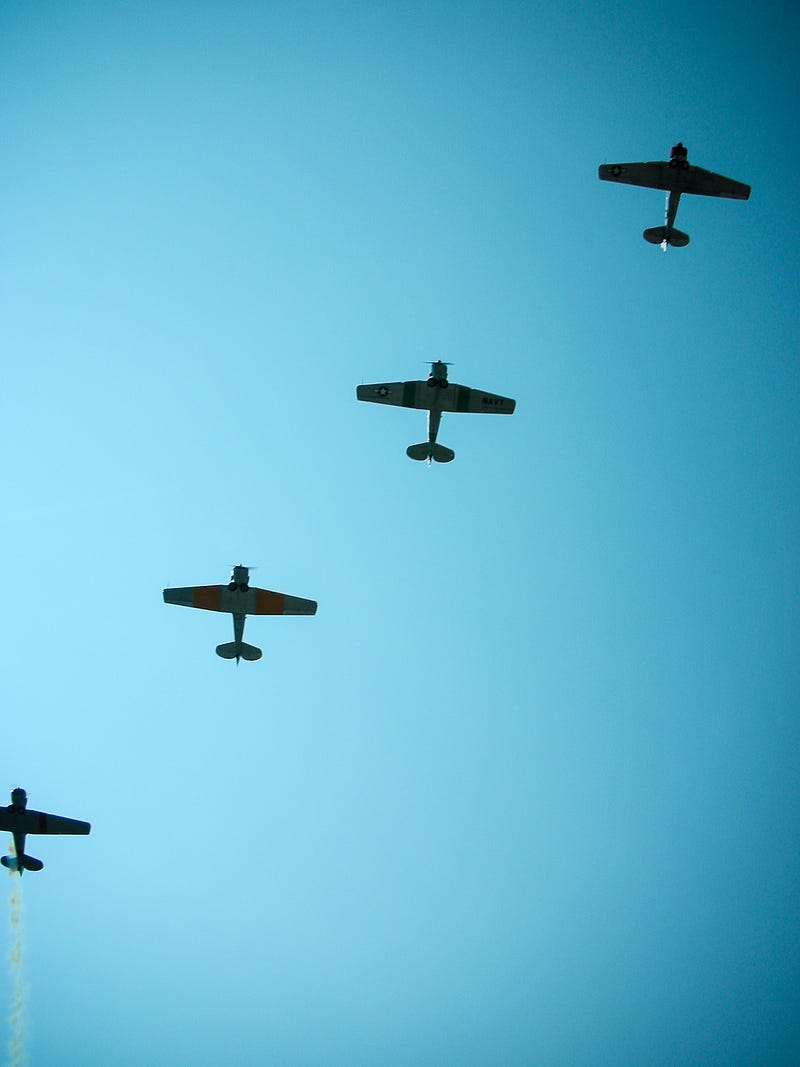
point(17, 1041)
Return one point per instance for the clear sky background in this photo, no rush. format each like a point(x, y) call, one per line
point(526, 790)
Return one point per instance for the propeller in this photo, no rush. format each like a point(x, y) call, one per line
point(245, 580)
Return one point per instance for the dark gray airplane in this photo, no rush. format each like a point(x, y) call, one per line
point(21, 821)
point(435, 396)
point(676, 177)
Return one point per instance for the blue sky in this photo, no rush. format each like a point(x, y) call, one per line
point(526, 789)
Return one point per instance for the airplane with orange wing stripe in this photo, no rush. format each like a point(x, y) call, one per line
point(240, 599)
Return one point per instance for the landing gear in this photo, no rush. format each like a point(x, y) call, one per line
point(232, 586)
point(443, 383)
point(244, 587)
point(431, 382)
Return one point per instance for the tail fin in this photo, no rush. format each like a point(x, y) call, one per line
point(29, 863)
point(248, 652)
point(659, 235)
point(430, 451)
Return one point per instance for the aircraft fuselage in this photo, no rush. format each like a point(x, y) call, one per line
point(19, 850)
point(438, 383)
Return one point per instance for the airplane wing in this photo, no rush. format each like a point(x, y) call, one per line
point(421, 395)
point(649, 175)
point(207, 597)
point(253, 602)
point(39, 822)
point(400, 394)
point(460, 398)
point(706, 183)
point(269, 603)
point(659, 175)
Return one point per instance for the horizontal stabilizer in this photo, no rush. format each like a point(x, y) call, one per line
point(659, 235)
point(245, 651)
point(442, 454)
point(29, 863)
point(426, 450)
point(418, 451)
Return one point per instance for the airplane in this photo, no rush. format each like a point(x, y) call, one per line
point(241, 600)
point(21, 821)
point(435, 396)
point(677, 177)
